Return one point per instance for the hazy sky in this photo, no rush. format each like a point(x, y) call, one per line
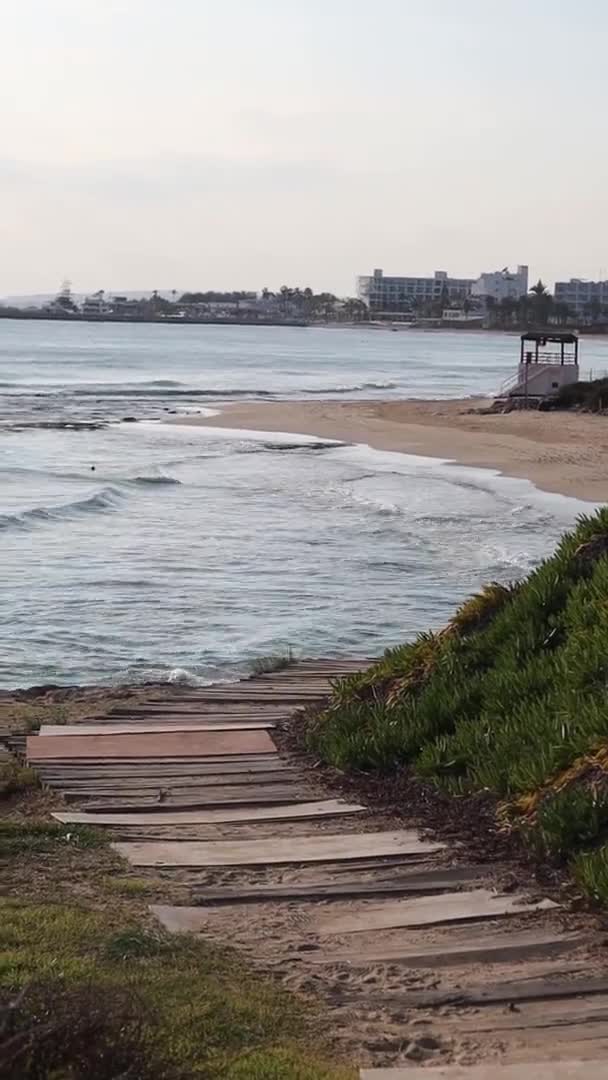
point(149, 144)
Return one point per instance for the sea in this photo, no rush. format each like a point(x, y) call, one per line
point(134, 549)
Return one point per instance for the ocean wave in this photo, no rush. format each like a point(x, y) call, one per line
point(167, 392)
point(55, 425)
point(109, 498)
point(352, 389)
point(156, 478)
point(333, 445)
point(183, 677)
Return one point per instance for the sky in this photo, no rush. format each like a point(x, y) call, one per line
point(251, 143)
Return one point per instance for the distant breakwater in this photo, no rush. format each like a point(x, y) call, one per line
point(216, 320)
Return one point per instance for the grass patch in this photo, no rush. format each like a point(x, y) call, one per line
point(506, 698)
point(37, 837)
point(209, 1016)
point(128, 886)
point(91, 986)
point(266, 665)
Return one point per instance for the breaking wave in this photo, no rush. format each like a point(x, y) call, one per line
point(333, 445)
point(166, 391)
point(352, 389)
point(156, 478)
point(109, 498)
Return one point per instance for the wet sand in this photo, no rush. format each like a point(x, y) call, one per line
point(562, 452)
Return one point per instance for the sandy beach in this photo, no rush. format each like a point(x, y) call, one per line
point(559, 452)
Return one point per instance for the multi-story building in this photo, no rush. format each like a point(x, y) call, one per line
point(95, 304)
point(392, 294)
point(501, 284)
point(582, 297)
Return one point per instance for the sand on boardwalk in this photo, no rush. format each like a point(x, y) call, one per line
point(563, 452)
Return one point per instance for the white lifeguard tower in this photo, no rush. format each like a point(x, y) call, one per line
point(547, 362)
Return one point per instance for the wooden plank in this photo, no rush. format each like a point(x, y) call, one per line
point(265, 694)
point(133, 799)
point(293, 849)
point(212, 762)
point(562, 1013)
point(510, 948)
point(326, 808)
point(450, 907)
point(195, 801)
point(425, 882)
point(503, 993)
point(267, 765)
point(125, 783)
point(179, 744)
point(534, 1070)
point(150, 729)
point(214, 719)
point(197, 710)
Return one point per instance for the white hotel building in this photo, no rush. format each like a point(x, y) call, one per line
point(381, 293)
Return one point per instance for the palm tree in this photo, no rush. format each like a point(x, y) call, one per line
point(542, 302)
point(540, 289)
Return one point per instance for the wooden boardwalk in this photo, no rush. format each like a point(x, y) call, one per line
point(428, 968)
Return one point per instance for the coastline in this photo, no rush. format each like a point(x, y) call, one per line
point(563, 453)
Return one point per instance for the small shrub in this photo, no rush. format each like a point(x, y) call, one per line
point(590, 870)
point(77, 1033)
point(570, 819)
point(591, 395)
point(16, 779)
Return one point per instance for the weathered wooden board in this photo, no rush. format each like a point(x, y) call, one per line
point(450, 907)
point(200, 710)
point(293, 849)
point(134, 800)
point(267, 765)
point(511, 948)
point(503, 993)
point(274, 694)
point(107, 785)
point(211, 762)
point(194, 800)
point(178, 744)
point(566, 1013)
point(425, 882)
point(151, 729)
point(326, 808)
point(535, 1070)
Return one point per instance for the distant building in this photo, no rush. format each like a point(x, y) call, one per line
point(502, 284)
point(391, 294)
point(582, 297)
point(95, 304)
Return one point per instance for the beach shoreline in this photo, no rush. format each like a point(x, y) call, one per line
point(563, 453)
